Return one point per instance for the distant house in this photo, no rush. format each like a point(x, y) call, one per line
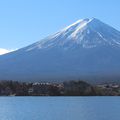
point(30, 91)
point(41, 88)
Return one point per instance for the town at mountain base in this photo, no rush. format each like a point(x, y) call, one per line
point(67, 88)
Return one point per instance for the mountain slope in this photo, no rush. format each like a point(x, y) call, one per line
point(87, 49)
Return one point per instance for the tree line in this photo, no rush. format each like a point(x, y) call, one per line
point(67, 88)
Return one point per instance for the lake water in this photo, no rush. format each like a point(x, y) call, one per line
point(60, 108)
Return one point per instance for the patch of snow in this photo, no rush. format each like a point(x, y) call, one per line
point(4, 51)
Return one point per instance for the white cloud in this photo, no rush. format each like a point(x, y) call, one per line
point(4, 51)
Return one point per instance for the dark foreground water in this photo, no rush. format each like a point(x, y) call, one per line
point(59, 108)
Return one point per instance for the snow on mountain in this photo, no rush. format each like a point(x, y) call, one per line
point(4, 51)
point(88, 49)
point(86, 33)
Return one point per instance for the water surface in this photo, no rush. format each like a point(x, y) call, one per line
point(59, 108)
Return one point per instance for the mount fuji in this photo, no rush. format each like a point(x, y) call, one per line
point(87, 50)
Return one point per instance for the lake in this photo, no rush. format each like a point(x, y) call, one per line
point(59, 108)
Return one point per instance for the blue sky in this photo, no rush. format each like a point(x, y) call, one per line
point(23, 22)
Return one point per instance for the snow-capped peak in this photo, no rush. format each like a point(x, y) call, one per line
point(86, 33)
point(80, 23)
point(88, 49)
